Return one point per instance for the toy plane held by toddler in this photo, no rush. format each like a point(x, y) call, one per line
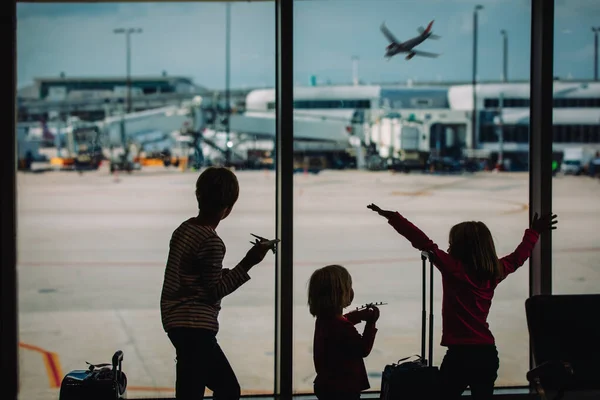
point(369, 305)
point(396, 46)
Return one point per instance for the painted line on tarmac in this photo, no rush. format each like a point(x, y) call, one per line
point(150, 389)
point(426, 190)
point(51, 362)
point(54, 372)
point(521, 207)
point(207, 392)
point(297, 263)
point(162, 264)
point(576, 250)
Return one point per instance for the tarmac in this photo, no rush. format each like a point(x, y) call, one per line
point(92, 249)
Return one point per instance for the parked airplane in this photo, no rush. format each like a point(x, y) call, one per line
point(397, 46)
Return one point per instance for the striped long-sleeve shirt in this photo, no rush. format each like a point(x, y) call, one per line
point(195, 280)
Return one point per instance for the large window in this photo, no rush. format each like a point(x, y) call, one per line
point(402, 133)
point(93, 245)
point(576, 147)
point(343, 50)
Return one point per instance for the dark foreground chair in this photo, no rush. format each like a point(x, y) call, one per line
point(564, 331)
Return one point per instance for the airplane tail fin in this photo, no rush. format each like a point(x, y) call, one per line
point(432, 36)
point(428, 29)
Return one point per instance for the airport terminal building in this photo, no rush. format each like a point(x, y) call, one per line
point(90, 98)
point(443, 115)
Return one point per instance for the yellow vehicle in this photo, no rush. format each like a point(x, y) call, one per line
point(310, 164)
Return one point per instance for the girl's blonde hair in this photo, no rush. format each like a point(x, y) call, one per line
point(329, 290)
point(472, 244)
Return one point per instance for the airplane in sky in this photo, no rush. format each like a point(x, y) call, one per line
point(396, 46)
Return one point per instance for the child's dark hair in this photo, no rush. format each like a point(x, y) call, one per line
point(472, 244)
point(217, 189)
point(329, 291)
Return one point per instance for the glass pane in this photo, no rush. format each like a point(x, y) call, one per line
point(414, 152)
point(93, 245)
point(575, 191)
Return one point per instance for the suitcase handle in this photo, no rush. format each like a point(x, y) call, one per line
point(117, 359)
point(424, 257)
point(120, 379)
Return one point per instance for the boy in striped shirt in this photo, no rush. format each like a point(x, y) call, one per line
point(194, 284)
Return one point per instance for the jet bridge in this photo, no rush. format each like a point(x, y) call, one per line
point(307, 127)
point(122, 128)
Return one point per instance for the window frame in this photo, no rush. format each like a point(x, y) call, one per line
point(540, 184)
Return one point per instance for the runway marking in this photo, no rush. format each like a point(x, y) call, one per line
point(296, 263)
point(417, 193)
point(162, 264)
point(55, 374)
point(207, 392)
point(151, 389)
point(522, 207)
point(51, 362)
point(426, 191)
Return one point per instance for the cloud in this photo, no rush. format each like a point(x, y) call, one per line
point(585, 53)
point(571, 8)
point(463, 22)
point(26, 11)
point(186, 40)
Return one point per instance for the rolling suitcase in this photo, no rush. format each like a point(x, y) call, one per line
point(418, 378)
point(98, 382)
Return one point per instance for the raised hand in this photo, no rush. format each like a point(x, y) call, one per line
point(258, 252)
point(544, 223)
point(384, 213)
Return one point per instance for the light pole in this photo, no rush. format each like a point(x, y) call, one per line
point(355, 70)
point(227, 78)
point(500, 123)
point(596, 30)
point(504, 55)
point(127, 32)
point(474, 126)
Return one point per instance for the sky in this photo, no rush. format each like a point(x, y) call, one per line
point(188, 39)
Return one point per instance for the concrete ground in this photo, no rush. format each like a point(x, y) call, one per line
point(92, 250)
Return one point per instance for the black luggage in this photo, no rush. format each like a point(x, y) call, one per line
point(564, 340)
point(416, 379)
point(98, 382)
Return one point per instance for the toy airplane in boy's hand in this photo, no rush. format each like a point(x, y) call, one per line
point(261, 240)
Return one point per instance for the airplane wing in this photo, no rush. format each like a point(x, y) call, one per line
point(388, 34)
point(425, 54)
